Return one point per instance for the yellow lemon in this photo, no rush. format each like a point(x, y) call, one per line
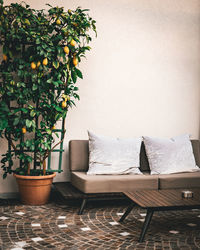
point(24, 130)
point(58, 22)
point(27, 22)
point(64, 104)
point(69, 12)
point(38, 64)
point(75, 61)
point(33, 65)
point(5, 58)
point(73, 43)
point(12, 82)
point(45, 61)
point(66, 49)
point(54, 127)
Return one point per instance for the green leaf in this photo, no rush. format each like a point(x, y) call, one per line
point(32, 113)
point(49, 80)
point(4, 175)
point(4, 107)
point(79, 73)
point(56, 65)
point(69, 39)
point(34, 87)
point(74, 76)
point(28, 143)
point(55, 83)
point(58, 108)
point(49, 131)
point(28, 123)
point(37, 41)
point(29, 159)
point(76, 96)
point(33, 124)
point(16, 121)
point(24, 110)
point(3, 124)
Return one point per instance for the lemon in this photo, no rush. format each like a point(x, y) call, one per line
point(38, 64)
point(24, 130)
point(45, 61)
point(53, 128)
point(75, 61)
point(12, 82)
point(27, 22)
point(69, 12)
point(73, 43)
point(64, 104)
point(5, 58)
point(66, 49)
point(58, 22)
point(33, 65)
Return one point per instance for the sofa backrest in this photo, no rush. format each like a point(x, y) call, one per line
point(79, 155)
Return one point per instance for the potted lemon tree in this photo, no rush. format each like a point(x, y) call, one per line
point(41, 51)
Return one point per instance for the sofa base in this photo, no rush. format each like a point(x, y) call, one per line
point(67, 191)
point(112, 183)
point(179, 180)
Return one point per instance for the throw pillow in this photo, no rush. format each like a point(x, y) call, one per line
point(167, 156)
point(113, 155)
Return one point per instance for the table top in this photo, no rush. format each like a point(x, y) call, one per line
point(164, 198)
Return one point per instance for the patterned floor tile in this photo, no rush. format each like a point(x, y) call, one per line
point(113, 223)
point(62, 226)
point(124, 234)
point(57, 226)
point(36, 239)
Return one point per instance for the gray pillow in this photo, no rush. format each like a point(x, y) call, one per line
point(167, 156)
point(109, 155)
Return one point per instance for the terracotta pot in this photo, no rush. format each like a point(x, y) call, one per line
point(34, 190)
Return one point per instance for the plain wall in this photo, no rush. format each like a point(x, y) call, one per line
point(142, 76)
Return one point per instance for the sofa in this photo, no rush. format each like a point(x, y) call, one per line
point(103, 184)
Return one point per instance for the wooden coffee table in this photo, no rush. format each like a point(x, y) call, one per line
point(160, 200)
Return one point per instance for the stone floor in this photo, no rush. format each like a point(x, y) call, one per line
point(57, 226)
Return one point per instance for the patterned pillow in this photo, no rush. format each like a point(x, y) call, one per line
point(113, 155)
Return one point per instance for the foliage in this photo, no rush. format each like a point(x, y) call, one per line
point(38, 76)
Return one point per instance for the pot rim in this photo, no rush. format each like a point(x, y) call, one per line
point(29, 177)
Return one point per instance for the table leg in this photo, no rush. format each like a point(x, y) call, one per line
point(146, 224)
point(127, 212)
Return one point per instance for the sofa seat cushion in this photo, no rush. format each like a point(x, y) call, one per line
point(183, 180)
point(112, 183)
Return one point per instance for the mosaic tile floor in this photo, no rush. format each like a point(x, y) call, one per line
point(57, 226)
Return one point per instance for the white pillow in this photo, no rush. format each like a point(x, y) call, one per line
point(113, 155)
point(167, 156)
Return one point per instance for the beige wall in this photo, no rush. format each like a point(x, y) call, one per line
point(142, 76)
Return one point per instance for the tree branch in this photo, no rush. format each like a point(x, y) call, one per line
point(11, 142)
